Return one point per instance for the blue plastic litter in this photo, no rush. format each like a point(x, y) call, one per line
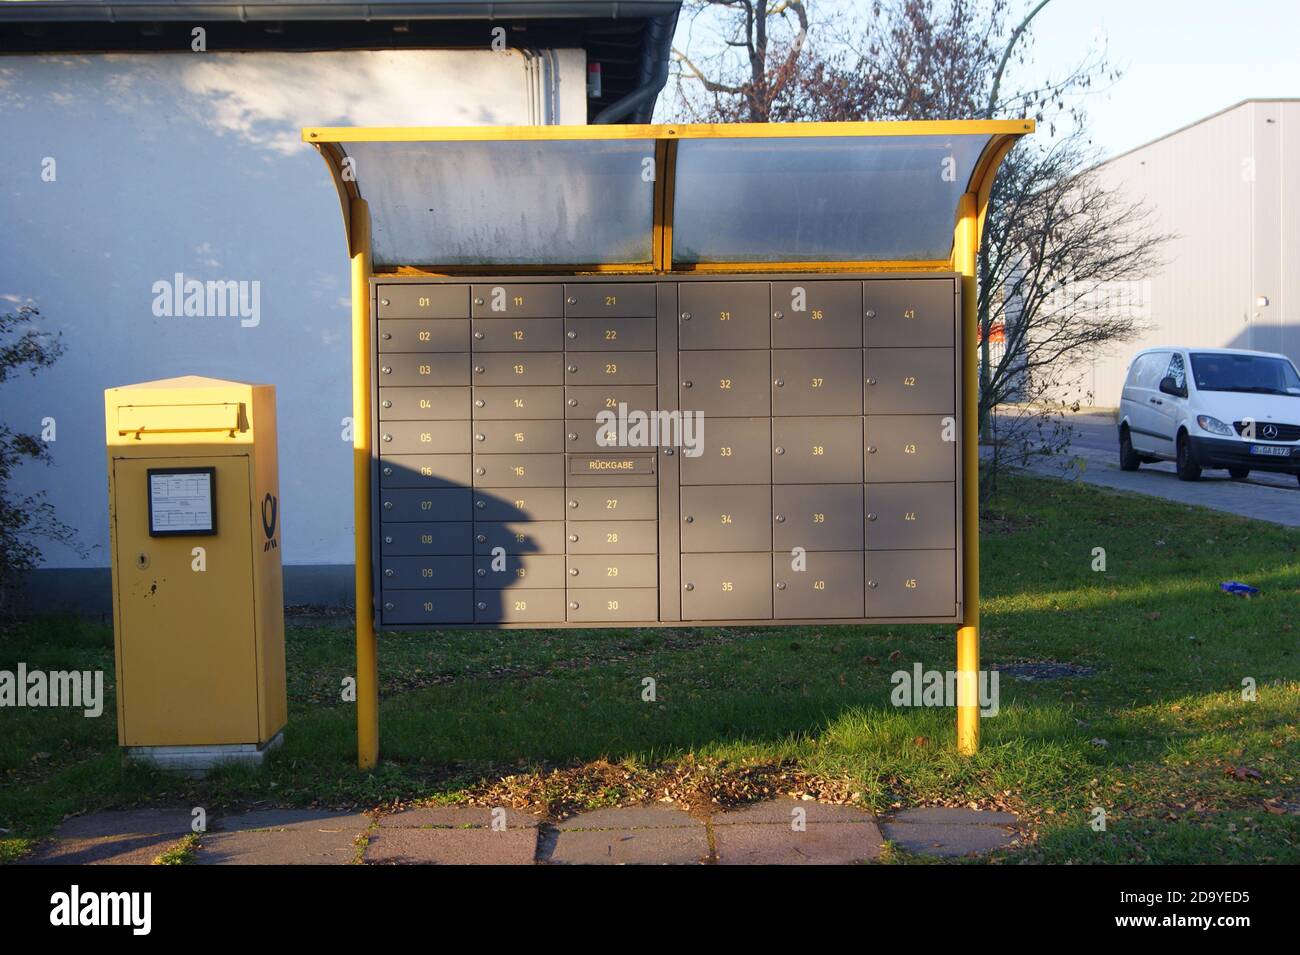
point(1238, 588)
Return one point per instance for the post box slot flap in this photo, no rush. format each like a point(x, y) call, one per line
point(228, 417)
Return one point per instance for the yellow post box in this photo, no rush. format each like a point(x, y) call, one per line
point(198, 597)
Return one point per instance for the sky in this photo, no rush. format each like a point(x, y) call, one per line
point(1182, 60)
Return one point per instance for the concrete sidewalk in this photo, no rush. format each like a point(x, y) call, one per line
point(779, 832)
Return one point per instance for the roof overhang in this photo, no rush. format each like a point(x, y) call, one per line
point(667, 198)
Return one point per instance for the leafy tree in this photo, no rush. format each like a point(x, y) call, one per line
point(25, 519)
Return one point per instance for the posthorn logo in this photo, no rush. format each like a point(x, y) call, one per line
point(270, 515)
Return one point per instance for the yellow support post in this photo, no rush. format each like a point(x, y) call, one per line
point(965, 256)
point(367, 645)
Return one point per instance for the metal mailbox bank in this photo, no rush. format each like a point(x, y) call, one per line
point(197, 591)
point(665, 375)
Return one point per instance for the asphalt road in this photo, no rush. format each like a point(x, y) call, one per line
point(1094, 458)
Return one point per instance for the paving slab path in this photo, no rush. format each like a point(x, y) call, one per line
point(779, 832)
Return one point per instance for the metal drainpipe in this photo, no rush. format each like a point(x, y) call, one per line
point(659, 40)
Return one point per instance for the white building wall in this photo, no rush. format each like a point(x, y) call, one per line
point(1223, 189)
point(193, 163)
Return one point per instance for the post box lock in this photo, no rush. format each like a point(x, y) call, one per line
point(388, 572)
point(778, 315)
point(871, 313)
point(388, 437)
point(688, 587)
point(780, 451)
point(780, 518)
point(480, 437)
point(573, 402)
point(688, 384)
point(482, 605)
point(479, 403)
point(142, 560)
point(871, 449)
point(387, 369)
point(481, 572)
point(573, 369)
point(481, 538)
point(384, 301)
point(388, 470)
point(388, 505)
point(573, 571)
point(686, 316)
point(573, 538)
point(478, 335)
point(571, 300)
point(871, 381)
point(478, 301)
point(480, 504)
point(573, 504)
point(482, 471)
point(780, 382)
point(478, 369)
point(388, 336)
point(571, 335)
point(386, 403)
point(388, 539)
point(388, 606)
point(573, 605)
point(668, 451)
point(780, 585)
point(573, 436)
point(872, 584)
point(871, 517)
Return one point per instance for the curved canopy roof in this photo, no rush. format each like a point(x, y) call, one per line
point(665, 198)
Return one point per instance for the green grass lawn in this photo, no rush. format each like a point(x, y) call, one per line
point(1159, 736)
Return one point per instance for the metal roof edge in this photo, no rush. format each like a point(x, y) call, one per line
point(87, 11)
point(1197, 122)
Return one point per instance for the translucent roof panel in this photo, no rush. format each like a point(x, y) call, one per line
point(551, 202)
point(820, 199)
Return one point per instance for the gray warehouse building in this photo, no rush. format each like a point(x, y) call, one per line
point(1226, 189)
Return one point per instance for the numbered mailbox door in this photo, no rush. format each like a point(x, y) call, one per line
point(911, 583)
point(723, 315)
point(910, 380)
point(725, 384)
point(823, 586)
point(910, 448)
point(816, 382)
point(518, 301)
point(727, 586)
point(909, 313)
point(816, 314)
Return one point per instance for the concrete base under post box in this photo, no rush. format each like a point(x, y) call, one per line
point(199, 760)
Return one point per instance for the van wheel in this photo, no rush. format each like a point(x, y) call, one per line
point(1188, 469)
point(1239, 474)
point(1128, 458)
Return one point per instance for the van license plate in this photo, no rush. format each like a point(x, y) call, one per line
point(1270, 450)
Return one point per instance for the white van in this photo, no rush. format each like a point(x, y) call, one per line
point(1211, 408)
